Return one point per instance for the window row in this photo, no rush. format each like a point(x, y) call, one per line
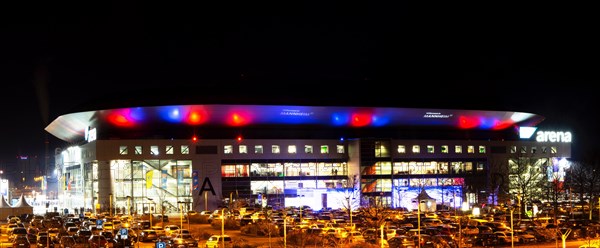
point(276, 149)
point(402, 149)
point(389, 185)
point(421, 168)
point(533, 149)
point(283, 169)
point(155, 150)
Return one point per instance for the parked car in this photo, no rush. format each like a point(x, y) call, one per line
point(524, 237)
point(21, 241)
point(97, 241)
point(148, 235)
point(183, 240)
point(356, 237)
point(216, 241)
point(486, 239)
point(67, 242)
point(505, 238)
point(171, 230)
point(401, 241)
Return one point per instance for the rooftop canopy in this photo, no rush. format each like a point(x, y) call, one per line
point(73, 127)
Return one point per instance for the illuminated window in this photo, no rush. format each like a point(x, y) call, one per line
point(138, 150)
point(340, 149)
point(169, 149)
point(523, 149)
point(308, 149)
point(123, 150)
point(228, 149)
point(154, 150)
point(258, 149)
point(513, 149)
point(430, 149)
point(444, 149)
point(324, 149)
point(468, 166)
point(416, 149)
point(457, 149)
point(533, 149)
point(544, 149)
point(292, 149)
point(401, 149)
point(275, 149)
point(481, 149)
point(243, 149)
point(185, 149)
point(480, 166)
point(553, 150)
point(470, 149)
point(382, 149)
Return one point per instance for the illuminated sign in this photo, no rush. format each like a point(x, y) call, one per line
point(552, 136)
point(90, 134)
point(295, 112)
point(436, 115)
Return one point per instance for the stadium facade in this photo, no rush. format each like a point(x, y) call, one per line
point(199, 157)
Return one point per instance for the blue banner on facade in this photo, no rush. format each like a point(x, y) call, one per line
point(195, 180)
point(163, 178)
point(179, 176)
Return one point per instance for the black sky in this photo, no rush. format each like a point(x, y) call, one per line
point(541, 59)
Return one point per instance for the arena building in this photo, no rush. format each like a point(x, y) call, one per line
point(199, 157)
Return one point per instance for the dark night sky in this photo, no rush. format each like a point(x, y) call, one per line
point(55, 57)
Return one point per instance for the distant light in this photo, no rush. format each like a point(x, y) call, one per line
point(518, 116)
point(239, 138)
point(361, 119)
point(239, 118)
point(194, 138)
point(467, 122)
point(476, 211)
point(465, 206)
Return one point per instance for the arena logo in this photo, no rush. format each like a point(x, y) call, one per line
point(553, 136)
point(545, 136)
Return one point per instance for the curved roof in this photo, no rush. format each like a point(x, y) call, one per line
point(73, 127)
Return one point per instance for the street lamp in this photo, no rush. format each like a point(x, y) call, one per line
point(223, 226)
point(151, 215)
point(110, 205)
point(284, 229)
point(181, 212)
point(512, 238)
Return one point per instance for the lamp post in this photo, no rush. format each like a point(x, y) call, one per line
point(382, 239)
point(512, 232)
point(419, 222)
point(284, 229)
point(150, 212)
point(223, 226)
point(181, 213)
point(110, 205)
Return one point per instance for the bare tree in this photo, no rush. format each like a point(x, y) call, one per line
point(351, 195)
point(527, 179)
point(582, 182)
